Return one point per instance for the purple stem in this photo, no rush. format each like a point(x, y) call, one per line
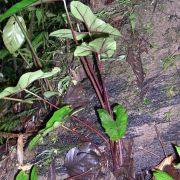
point(120, 152)
point(96, 85)
point(83, 60)
point(92, 129)
point(108, 108)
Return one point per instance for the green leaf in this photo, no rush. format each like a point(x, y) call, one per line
point(93, 24)
point(122, 58)
point(132, 19)
point(49, 94)
point(121, 119)
point(39, 15)
point(108, 124)
point(38, 40)
point(64, 16)
point(35, 140)
point(160, 175)
point(26, 79)
point(178, 150)
point(103, 46)
point(83, 50)
point(33, 175)
point(177, 166)
point(22, 176)
point(106, 119)
point(59, 117)
point(66, 33)
point(114, 129)
point(15, 8)
point(3, 53)
point(13, 37)
point(169, 61)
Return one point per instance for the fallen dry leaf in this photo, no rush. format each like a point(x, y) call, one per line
point(81, 160)
point(166, 162)
point(76, 96)
point(20, 146)
point(25, 167)
point(135, 49)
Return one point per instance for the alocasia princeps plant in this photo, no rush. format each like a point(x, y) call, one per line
point(101, 42)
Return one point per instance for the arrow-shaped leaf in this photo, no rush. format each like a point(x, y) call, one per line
point(13, 37)
point(59, 117)
point(103, 46)
point(83, 50)
point(66, 33)
point(93, 24)
point(121, 119)
point(114, 129)
point(22, 175)
point(160, 175)
point(26, 79)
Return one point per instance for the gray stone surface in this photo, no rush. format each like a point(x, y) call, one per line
point(162, 104)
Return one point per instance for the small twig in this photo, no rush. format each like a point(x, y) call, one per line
point(83, 59)
point(43, 1)
point(15, 99)
point(73, 131)
point(24, 59)
point(94, 76)
point(120, 152)
point(87, 173)
point(37, 63)
point(141, 148)
point(92, 129)
point(160, 140)
point(14, 135)
point(154, 3)
point(41, 98)
point(84, 138)
point(9, 134)
point(105, 94)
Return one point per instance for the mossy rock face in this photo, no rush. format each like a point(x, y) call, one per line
point(161, 101)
